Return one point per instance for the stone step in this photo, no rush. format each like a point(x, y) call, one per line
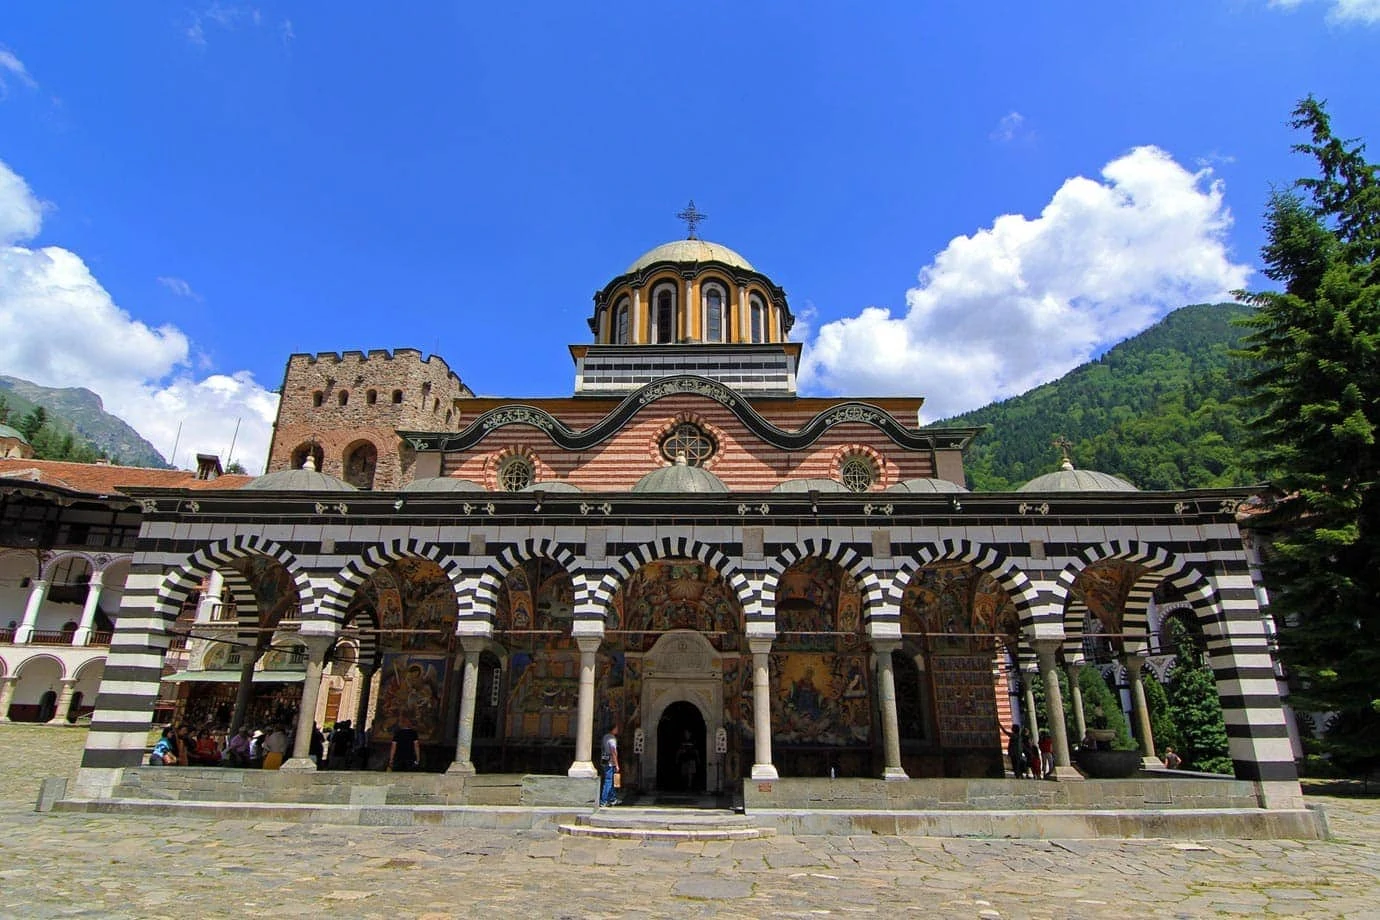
point(633, 823)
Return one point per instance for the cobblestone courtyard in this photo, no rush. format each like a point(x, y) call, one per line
point(83, 866)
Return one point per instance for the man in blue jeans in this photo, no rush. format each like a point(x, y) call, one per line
point(608, 754)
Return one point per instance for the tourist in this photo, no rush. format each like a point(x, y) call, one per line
point(205, 752)
point(237, 748)
point(608, 758)
point(184, 744)
point(361, 752)
point(1015, 750)
point(1046, 754)
point(316, 748)
point(1172, 760)
point(164, 753)
point(405, 752)
point(256, 749)
point(342, 746)
point(275, 748)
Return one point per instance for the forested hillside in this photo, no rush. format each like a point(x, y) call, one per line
point(73, 425)
point(1158, 410)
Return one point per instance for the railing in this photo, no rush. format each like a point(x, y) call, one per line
point(101, 638)
point(6, 635)
point(50, 637)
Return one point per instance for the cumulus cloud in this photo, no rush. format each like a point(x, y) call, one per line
point(1017, 304)
point(1341, 11)
point(60, 327)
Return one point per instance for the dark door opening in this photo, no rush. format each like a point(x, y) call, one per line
point(680, 760)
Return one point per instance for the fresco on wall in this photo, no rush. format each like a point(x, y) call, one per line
point(536, 596)
point(1104, 587)
point(820, 699)
point(544, 690)
point(413, 604)
point(274, 590)
point(676, 594)
point(817, 596)
point(961, 602)
point(412, 686)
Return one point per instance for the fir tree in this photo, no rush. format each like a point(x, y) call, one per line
point(1316, 390)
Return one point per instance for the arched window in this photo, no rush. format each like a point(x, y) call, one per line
point(361, 461)
point(371, 397)
point(857, 474)
point(757, 311)
point(304, 452)
point(397, 397)
point(344, 397)
point(664, 314)
point(714, 300)
point(690, 441)
point(515, 474)
point(317, 398)
point(620, 322)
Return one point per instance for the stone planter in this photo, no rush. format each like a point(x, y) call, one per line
point(1108, 764)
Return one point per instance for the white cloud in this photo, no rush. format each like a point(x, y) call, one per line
point(60, 327)
point(1342, 11)
point(12, 68)
point(1011, 126)
point(229, 17)
point(1025, 300)
point(178, 286)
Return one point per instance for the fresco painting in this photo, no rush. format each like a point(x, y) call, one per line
point(274, 591)
point(1103, 588)
point(412, 686)
point(543, 693)
point(676, 594)
point(820, 699)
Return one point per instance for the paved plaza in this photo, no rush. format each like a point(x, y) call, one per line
point(55, 865)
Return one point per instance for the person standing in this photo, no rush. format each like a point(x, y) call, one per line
point(608, 753)
point(406, 750)
point(276, 746)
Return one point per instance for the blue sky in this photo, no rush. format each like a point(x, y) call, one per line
point(961, 200)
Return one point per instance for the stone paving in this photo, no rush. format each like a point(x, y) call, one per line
point(54, 865)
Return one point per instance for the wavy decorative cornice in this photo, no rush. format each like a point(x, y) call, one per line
point(567, 438)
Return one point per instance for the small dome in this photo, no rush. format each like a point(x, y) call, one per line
point(810, 485)
point(680, 477)
point(924, 485)
point(443, 484)
point(7, 432)
point(1068, 479)
point(307, 479)
point(553, 485)
point(690, 251)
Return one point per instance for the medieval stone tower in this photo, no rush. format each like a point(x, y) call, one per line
point(344, 411)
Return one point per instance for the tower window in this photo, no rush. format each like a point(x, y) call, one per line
point(691, 440)
point(344, 397)
point(371, 397)
point(713, 313)
point(397, 397)
point(620, 322)
point(515, 474)
point(664, 319)
point(756, 310)
point(317, 398)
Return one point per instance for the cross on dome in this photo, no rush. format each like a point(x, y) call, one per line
point(692, 216)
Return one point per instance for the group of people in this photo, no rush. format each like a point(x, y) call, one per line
point(260, 748)
point(1028, 757)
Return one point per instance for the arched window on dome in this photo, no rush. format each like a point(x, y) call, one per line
point(664, 313)
point(714, 301)
point(621, 314)
point(757, 313)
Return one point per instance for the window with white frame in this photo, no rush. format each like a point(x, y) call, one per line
point(757, 313)
point(620, 322)
point(664, 314)
point(714, 300)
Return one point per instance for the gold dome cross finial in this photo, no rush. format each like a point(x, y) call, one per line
point(692, 216)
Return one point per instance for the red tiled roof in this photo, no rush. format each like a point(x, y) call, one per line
point(104, 479)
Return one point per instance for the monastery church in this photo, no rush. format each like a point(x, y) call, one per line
point(760, 583)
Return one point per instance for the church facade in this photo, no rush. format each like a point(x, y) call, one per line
point(750, 583)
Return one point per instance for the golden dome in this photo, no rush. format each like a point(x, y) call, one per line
point(690, 251)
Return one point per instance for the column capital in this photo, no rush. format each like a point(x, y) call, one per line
point(1133, 664)
point(1045, 645)
point(474, 644)
point(588, 644)
point(760, 645)
point(885, 645)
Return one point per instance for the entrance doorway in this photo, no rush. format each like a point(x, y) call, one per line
point(680, 745)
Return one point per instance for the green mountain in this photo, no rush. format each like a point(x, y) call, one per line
point(1158, 410)
point(77, 412)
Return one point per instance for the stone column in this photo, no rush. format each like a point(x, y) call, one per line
point(88, 611)
point(38, 592)
point(583, 767)
point(469, 692)
point(1054, 704)
point(208, 608)
point(6, 694)
point(242, 693)
point(1139, 711)
point(762, 767)
point(64, 700)
point(366, 686)
point(1076, 691)
point(1029, 670)
point(318, 642)
point(886, 703)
